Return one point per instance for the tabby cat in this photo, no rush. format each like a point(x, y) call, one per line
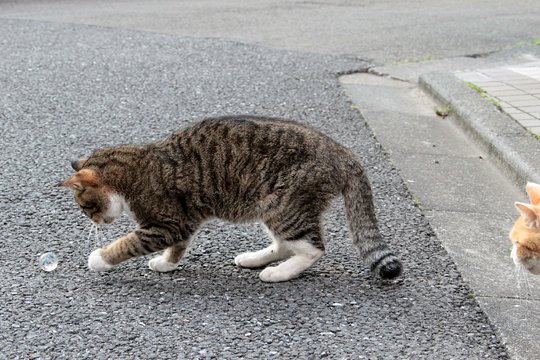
point(525, 233)
point(240, 169)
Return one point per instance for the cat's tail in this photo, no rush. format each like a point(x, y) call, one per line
point(363, 227)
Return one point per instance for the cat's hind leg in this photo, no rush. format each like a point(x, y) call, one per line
point(170, 259)
point(307, 246)
point(255, 259)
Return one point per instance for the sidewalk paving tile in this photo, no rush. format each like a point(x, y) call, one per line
point(507, 92)
point(534, 129)
point(523, 117)
point(511, 98)
point(531, 109)
point(517, 89)
point(523, 103)
point(510, 109)
point(530, 123)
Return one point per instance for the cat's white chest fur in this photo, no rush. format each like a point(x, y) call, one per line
point(117, 206)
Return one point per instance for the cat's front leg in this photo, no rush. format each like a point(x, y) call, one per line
point(97, 263)
point(138, 243)
point(170, 259)
point(105, 258)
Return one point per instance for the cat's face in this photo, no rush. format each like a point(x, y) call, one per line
point(525, 233)
point(99, 203)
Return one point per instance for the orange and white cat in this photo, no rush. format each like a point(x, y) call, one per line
point(525, 233)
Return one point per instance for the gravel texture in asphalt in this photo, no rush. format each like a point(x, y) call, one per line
point(67, 89)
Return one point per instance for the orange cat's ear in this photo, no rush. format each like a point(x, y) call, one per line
point(533, 190)
point(529, 213)
point(82, 179)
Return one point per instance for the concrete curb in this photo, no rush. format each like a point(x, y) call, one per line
point(515, 151)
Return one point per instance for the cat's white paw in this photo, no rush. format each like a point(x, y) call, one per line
point(249, 260)
point(256, 259)
point(160, 264)
point(275, 274)
point(97, 263)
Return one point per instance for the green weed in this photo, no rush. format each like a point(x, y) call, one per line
point(535, 41)
point(484, 94)
point(475, 87)
point(443, 111)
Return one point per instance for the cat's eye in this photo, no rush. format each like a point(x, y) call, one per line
point(88, 207)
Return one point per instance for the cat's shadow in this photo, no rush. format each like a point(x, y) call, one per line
point(228, 281)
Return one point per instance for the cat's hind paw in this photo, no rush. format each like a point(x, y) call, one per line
point(257, 259)
point(160, 264)
point(250, 260)
point(97, 263)
point(275, 274)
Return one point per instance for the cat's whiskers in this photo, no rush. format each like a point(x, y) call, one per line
point(91, 228)
point(99, 236)
point(523, 282)
point(527, 284)
point(90, 231)
point(86, 228)
point(95, 231)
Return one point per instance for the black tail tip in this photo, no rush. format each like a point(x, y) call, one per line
point(390, 269)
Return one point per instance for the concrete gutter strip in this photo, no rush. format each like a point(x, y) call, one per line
point(515, 150)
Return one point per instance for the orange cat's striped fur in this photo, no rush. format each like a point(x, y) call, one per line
point(240, 169)
point(525, 233)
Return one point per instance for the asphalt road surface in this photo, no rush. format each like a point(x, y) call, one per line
point(391, 32)
point(67, 89)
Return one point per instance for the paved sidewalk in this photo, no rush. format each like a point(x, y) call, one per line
point(515, 88)
point(467, 200)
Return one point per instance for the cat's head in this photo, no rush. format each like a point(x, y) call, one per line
point(525, 233)
point(96, 200)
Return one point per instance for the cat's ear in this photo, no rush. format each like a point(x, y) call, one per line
point(71, 182)
point(78, 164)
point(80, 180)
point(533, 190)
point(529, 213)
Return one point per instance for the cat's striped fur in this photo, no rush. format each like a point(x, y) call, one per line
point(241, 169)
